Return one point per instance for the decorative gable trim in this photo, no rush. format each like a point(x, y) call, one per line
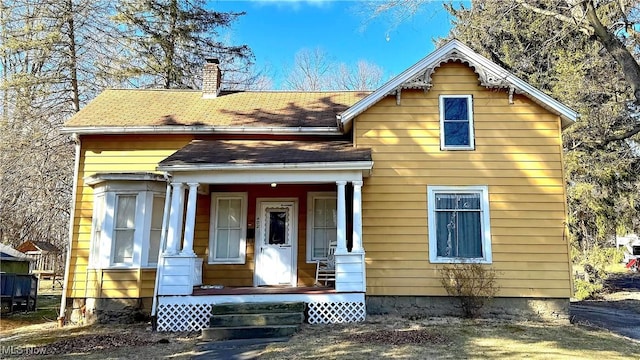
point(488, 79)
point(489, 73)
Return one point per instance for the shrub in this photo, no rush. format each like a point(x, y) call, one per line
point(474, 285)
point(592, 270)
point(587, 290)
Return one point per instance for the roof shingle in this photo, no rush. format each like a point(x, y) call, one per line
point(131, 108)
point(244, 152)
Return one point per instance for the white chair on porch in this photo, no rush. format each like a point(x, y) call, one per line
point(326, 269)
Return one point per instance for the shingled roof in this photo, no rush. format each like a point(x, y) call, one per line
point(144, 108)
point(218, 153)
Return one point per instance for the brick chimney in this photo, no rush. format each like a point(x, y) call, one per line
point(211, 79)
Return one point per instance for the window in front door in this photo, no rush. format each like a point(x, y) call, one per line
point(277, 227)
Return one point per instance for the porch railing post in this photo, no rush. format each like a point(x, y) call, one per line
point(175, 219)
point(189, 226)
point(357, 217)
point(341, 237)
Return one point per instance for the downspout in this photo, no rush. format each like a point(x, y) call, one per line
point(163, 240)
point(63, 301)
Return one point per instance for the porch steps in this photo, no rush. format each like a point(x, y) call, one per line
point(254, 320)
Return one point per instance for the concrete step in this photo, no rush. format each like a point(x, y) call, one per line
point(257, 308)
point(235, 320)
point(248, 332)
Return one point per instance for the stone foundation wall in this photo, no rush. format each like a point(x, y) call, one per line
point(123, 311)
point(538, 309)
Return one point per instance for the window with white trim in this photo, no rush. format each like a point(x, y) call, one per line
point(96, 233)
point(459, 225)
point(127, 222)
point(321, 224)
point(124, 229)
point(456, 122)
point(227, 239)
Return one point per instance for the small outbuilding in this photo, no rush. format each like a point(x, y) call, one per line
point(47, 257)
point(18, 289)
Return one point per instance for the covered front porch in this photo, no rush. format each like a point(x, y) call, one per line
point(254, 233)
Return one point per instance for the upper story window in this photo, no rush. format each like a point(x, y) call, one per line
point(459, 228)
point(321, 224)
point(127, 220)
point(456, 122)
point(227, 242)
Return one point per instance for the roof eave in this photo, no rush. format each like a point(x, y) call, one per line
point(364, 166)
point(200, 130)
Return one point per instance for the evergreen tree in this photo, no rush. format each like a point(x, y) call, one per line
point(166, 42)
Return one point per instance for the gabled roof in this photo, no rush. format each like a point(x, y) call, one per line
point(37, 246)
point(185, 111)
point(490, 75)
point(252, 154)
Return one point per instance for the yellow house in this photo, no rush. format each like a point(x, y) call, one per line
point(185, 199)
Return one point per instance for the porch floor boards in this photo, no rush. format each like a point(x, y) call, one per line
point(250, 290)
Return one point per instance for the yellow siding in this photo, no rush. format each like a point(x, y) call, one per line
point(112, 154)
point(518, 155)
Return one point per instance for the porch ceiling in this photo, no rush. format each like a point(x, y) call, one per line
point(251, 154)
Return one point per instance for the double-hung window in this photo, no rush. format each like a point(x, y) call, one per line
point(227, 243)
point(127, 220)
point(124, 229)
point(321, 224)
point(456, 122)
point(459, 228)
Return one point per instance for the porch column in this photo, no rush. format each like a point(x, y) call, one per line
point(175, 219)
point(189, 226)
point(341, 247)
point(357, 217)
point(165, 220)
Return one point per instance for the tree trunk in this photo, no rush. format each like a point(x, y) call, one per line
point(620, 53)
point(73, 58)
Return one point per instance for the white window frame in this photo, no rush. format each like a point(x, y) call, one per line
point(99, 203)
point(242, 257)
point(472, 143)
point(108, 192)
point(311, 196)
point(145, 249)
point(485, 223)
point(138, 224)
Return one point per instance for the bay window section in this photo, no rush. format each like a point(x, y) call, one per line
point(156, 229)
point(124, 230)
point(127, 220)
point(96, 234)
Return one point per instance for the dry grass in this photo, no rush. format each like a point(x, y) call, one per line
point(379, 337)
point(463, 339)
point(131, 341)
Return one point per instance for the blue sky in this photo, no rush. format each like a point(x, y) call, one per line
point(276, 30)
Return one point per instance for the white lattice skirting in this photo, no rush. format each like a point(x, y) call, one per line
point(183, 316)
point(193, 313)
point(336, 312)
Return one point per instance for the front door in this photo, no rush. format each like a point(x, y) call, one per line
point(276, 242)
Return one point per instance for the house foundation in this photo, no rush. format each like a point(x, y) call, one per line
point(105, 311)
point(538, 309)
